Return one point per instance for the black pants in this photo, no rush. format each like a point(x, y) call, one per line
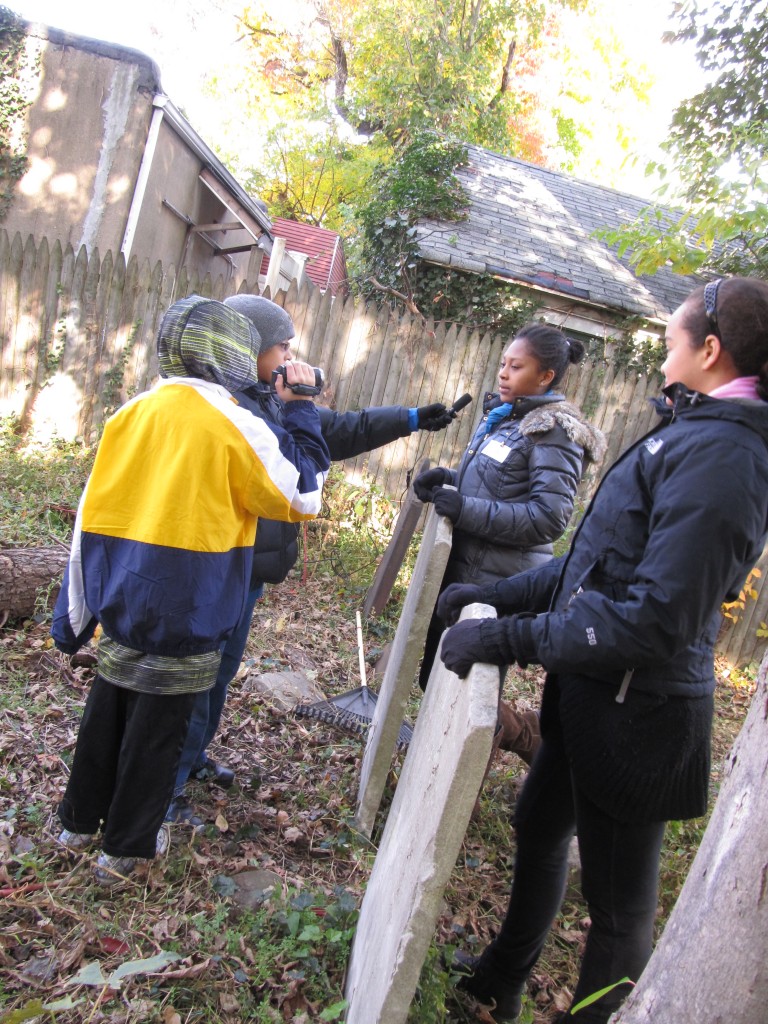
point(620, 864)
point(124, 768)
point(431, 643)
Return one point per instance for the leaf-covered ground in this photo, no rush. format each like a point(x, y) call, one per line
point(177, 945)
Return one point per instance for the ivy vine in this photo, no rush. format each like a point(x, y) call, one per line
point(13, 105)
point(421, 182)
point(632, 347)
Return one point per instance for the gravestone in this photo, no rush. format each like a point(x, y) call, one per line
point(441, 777)
point(407, 648)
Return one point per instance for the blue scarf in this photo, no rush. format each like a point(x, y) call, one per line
point(497, 414)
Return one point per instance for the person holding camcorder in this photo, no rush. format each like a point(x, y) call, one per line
point(276, 549)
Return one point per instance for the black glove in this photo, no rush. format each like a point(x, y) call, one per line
point(425, 483)
point(455, 597)
point(490, 641)
point(434, 417)
point(448, 502)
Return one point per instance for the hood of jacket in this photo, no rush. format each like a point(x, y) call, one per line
point(563, 414)
point(538, 414)
point(205, 339)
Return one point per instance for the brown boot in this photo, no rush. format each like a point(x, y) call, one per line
point(520, 731)
point(494, 750)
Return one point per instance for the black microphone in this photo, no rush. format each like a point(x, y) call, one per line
point(459, 404)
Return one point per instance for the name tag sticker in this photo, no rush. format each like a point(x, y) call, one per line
point(496, 450)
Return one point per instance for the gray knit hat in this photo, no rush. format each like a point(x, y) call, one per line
point(270, 320)
point(202, 338)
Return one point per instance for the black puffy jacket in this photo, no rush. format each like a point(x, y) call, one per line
point(347, 434)
point(519, 482)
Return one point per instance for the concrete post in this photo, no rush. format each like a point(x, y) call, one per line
point(403, 661)
point(441, 777)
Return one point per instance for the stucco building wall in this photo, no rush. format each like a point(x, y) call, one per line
point(87, 127)
point(113, 165)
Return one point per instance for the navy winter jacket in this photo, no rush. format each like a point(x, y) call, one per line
point(671, 533)
point(347, 435)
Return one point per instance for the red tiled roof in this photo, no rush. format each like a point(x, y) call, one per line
point(326, 266)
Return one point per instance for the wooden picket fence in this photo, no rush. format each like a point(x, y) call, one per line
point(92, 321)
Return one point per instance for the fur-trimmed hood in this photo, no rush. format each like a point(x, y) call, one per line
point(563, 414)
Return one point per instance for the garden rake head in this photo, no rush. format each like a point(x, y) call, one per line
point(352, 711)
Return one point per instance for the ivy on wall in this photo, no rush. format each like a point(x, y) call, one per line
point(420, 182)
point(13, 105)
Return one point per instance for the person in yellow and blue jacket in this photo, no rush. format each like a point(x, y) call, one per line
point(161, 560)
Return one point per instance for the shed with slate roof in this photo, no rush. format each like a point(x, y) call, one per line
point(535, 228)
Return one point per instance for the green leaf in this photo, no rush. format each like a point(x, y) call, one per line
point(28, 1012)
point(90, 974)
point(67, 1003)
point(334, 1012)
point(148, 966)
point(599, 995)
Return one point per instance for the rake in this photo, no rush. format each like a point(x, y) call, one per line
point(352, 711)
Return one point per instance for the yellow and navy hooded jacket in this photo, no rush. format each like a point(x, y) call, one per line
point(163, 540)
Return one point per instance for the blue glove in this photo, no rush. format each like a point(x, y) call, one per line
point(425, 483)
point(448, 503)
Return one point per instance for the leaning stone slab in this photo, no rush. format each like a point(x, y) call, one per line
point(407, 648)
point(441, 777)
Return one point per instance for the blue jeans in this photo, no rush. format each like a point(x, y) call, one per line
point(208, 706)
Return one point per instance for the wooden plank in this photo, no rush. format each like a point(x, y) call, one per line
point(396, 393)
point(6, 319)
point(93, 341)
point(392, 559)
point(73, 358)
point(146, 369)
point(27, 328)
point(305, 335)
point(328, 355)
point(316, 327)
point(377, 351)
point(10, 370)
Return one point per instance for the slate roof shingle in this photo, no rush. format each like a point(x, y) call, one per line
point(536, 227)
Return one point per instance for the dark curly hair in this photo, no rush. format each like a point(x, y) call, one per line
point(740, 321)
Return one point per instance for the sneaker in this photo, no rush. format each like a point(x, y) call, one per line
point(480, 980)
point(181, 812)
point(110, 870)
point(212, 771)
point(75, 842)
point(163, 842)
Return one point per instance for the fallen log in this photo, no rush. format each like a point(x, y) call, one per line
point(30, 579)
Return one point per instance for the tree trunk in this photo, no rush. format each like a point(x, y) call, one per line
point(711, 963)
point(29, 580)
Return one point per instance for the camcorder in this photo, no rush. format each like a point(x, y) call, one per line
point(301, 389)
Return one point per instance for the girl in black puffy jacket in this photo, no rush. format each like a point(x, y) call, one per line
point(515, 485)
